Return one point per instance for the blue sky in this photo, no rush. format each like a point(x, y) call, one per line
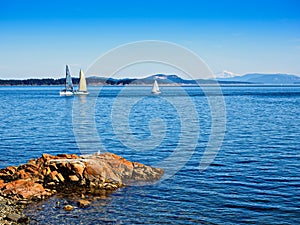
point(38, 38)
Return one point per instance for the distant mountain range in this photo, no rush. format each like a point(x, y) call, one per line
point(257, 78)
point(162, 79)
point(254, 78)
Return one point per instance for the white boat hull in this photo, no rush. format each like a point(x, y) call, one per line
point(66, 93)
point(156, 92)
point(81, 93)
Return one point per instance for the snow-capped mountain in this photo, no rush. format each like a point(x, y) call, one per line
point(226, 74)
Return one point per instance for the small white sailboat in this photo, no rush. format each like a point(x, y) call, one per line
point(82, 90)
point(68, 91)
point(155, 88)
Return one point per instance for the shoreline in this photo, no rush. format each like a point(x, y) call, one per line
point(11, 212)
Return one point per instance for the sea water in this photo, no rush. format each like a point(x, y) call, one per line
point(254, 177)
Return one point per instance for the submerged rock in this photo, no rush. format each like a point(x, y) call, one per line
point(68, 208)
point(83, 203)
point(18, 218)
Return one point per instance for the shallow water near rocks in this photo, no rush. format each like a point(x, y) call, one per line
point(254, 178)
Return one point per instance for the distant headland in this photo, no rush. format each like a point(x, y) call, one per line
point(162, 79)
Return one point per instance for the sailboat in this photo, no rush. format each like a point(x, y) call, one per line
point(68, 91)
point(82, 90)
point(155, 88)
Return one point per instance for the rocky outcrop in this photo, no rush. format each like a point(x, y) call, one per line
point(47, 175)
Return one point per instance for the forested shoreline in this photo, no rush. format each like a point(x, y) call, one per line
point(36, 82)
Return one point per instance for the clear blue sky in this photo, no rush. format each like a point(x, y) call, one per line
point(38, 38)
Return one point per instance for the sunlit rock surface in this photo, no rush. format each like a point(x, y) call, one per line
point(47, 175)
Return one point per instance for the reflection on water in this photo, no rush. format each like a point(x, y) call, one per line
point(84, 126)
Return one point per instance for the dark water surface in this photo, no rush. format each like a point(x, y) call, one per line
point(255, 177)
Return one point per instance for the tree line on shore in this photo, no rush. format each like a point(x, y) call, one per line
point(61, 82)
point(36, 82)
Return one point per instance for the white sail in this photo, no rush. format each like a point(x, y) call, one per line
point(69, 90)
point(82, 82)
point(155, 88)
point(82, 89)
point(69, 83)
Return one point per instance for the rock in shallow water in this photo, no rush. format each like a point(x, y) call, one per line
point(42, 177)
point(18, 218)
point(65, 173)
point(83, 203)
point(68, 208)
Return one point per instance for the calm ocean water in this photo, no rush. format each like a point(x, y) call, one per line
point(255, 177)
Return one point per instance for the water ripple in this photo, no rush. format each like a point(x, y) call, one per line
point(254, 178)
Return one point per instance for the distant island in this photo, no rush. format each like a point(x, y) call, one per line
point(162, 79)
point(258, 78)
